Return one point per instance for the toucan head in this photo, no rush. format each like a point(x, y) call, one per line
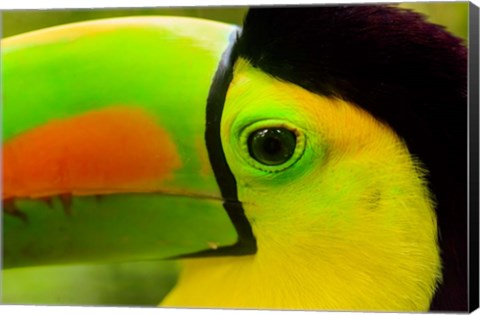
point(308, 160)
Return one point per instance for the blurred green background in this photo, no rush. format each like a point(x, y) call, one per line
point(138, 283)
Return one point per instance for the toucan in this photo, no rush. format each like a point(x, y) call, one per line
point(314, 158)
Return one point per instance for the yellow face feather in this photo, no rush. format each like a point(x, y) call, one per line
point(348, 225)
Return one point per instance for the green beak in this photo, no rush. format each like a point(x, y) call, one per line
point(104, 151)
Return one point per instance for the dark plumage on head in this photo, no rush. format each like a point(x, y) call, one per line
point(406, 72)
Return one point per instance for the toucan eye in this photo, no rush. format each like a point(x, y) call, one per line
point(272, 146)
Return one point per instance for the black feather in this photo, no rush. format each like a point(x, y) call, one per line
point(406, 72)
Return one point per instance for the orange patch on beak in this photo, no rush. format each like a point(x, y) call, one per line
point(116, 149)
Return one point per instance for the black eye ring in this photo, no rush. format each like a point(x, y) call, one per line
point(272, 146)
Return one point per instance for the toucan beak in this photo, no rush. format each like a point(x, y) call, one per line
point(104, 151)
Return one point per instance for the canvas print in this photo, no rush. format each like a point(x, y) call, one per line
point(285, 158)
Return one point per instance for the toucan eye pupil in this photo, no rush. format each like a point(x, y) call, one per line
point(272, 146)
